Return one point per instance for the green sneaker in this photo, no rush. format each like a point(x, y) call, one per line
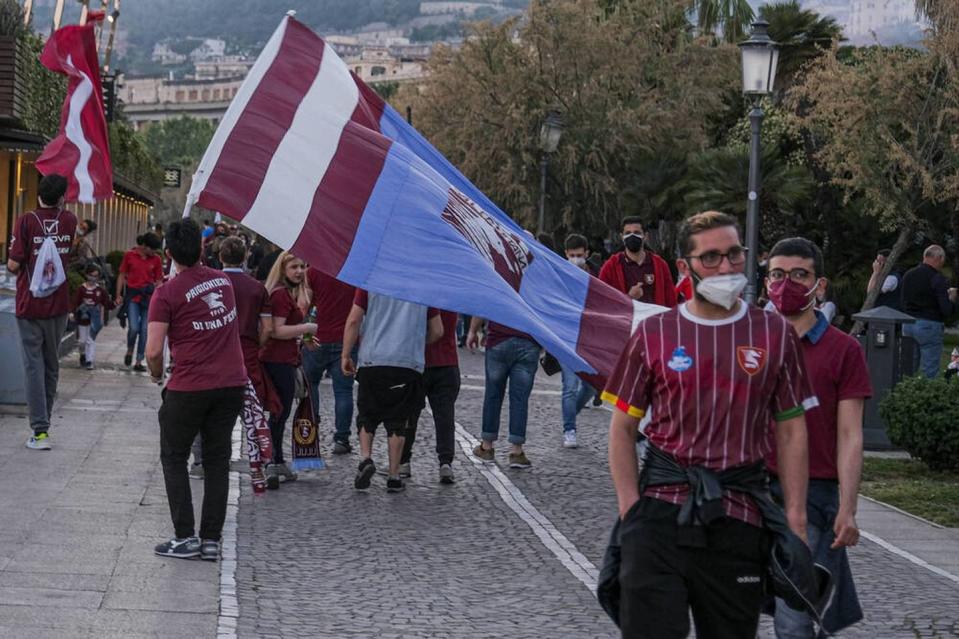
point(40, 441)
point(484, 454)
point(519, 460)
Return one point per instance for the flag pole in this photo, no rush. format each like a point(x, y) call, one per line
point(84, 9)
point(114, 18)
point(27, 10)
point(103, 7)
point(57, 15)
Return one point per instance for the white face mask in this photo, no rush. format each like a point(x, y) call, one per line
point(578, 261)
point(722, 290)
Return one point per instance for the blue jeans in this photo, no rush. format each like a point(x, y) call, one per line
point(95, 314)
point(137, 327)
point(928, 336)
point(576, 394)
point(822, 505)
point(514, 360)
point(326, 358)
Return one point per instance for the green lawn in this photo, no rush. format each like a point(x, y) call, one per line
point(911, 486)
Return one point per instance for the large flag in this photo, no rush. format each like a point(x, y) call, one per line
point(310, 157)
point(81, 150)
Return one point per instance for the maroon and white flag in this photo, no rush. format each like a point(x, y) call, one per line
point(81, 151)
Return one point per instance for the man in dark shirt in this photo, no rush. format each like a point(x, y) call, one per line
point(927, 297)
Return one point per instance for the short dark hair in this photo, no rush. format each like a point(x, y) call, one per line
point(51, 188)
point(92, 267)
point(705, 221)
point(576, 241)
point(799, 247)
point(91, 225)
point(232, 251)
point(184, 242)
point(885, 252)
point(546, 240)
point(632, 219)
point(151, 241)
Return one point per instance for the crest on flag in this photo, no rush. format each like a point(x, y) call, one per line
point(502, 248)
point(751, 359)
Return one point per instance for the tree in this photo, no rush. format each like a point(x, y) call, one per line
point(733, 17)
point(631, 84)
point(181, 141)
point(803, 35)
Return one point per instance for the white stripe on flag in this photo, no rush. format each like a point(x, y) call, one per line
point(286, 196)
point(237, 107)
point(74, 133)
point(642, 310)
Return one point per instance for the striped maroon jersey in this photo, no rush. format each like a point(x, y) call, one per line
point(713, 387)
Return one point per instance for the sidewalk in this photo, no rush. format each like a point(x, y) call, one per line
point(80, 521)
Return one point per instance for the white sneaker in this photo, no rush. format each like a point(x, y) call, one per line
point(39, 442)
point(569, 439)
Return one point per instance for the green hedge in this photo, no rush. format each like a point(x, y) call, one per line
point(923, 418)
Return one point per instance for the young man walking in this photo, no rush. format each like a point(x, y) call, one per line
point(41, 321)
point(389, 371)
point(441, 384)
point(637, 271)
point(196, 310)
point(576, 392)
point(715, 372)
point(836, 368)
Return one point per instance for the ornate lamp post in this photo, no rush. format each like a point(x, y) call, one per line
point(549, 134)
point(760, 59)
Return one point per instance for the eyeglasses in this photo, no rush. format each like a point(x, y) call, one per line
point(800, 275)
point(712, 259)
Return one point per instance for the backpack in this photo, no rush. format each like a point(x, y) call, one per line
point(48, 274)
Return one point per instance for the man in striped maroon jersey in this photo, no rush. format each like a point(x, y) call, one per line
point(715, 372)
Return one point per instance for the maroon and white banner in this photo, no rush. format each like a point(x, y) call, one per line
point(81, 151)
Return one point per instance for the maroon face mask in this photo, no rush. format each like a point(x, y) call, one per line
point(789, 297)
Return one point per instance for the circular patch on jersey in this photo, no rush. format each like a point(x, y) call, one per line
point(680, 361)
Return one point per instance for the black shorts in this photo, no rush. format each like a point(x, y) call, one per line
point(388, 395)
point(721, 583)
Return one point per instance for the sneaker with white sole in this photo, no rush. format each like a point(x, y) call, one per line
point(186, 548)
point(40, 441)
point(209, 550)
point(569, 439)
point(446, 474)
point(272, 477)
point(364, 474)
point(406, 470)
point(285, 473)
point(485, 455)
point(395, 485)
point(519, 460)
point(196, 471)
point(341, 447)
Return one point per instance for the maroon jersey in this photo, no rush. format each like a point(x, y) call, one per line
point(283, 351)
point(31, 230)
point(442, 352)
point(644, 274)
point(713, 387)
point(87, 296)
point(333, 300)
point(252, 303)
point(199, 307)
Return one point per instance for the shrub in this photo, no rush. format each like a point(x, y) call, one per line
point(74, 282)
point(923, 418)
point(114, 258)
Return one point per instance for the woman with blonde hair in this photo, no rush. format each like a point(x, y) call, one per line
point(290, 298)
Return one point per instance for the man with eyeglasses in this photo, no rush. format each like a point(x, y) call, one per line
point(637, 271)
point(714, 371)
point(837, 371)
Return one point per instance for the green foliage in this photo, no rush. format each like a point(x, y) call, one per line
point(386, 90)
point(74, 282)
point(923, 418)
point(802, 34)
point(11, 18)
point(733, 17)
point(113, 259)
point(132, 159)
point(433, 32)
point(45, 90)
point(179, 142)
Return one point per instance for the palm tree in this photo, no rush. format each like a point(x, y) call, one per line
point(803, 35)
point(732, 17)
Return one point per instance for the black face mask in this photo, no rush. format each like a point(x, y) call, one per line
point(634, 243)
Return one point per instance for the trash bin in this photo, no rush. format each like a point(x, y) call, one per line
point(890, 356)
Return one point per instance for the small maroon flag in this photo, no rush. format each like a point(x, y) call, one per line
point(81, 150)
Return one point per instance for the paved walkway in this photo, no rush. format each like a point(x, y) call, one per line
point(500, 553)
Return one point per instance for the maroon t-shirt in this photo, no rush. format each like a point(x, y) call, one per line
point(443, 351)
point(199, 306)
point(498, 333)
point(836, 368)
point(252, 303)
point(644, 274)
point(283, 351)
point(333, 300)
point(31, 229)
point(96, 296)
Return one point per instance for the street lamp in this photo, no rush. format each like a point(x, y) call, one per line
point(549, 134)
point(760, 59)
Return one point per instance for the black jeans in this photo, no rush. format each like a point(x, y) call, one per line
point(661, 581)
point(283, 377)
point(212, 414)
point(442, 385)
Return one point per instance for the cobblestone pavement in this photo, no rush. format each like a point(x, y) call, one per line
point(317, 558)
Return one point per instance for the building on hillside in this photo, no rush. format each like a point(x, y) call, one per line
point(377, 64)
point(460, 8)
point(147, 100)
point(230, 66)
point(209, 49)
point(163, 54)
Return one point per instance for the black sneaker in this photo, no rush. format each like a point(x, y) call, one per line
point(395, 485)
point(364, 474)
point(139, 368)
point(83, 360)
point(128, 359)
point(341, 448)
point(209, 550)
point(179, 548)
point(272, 477)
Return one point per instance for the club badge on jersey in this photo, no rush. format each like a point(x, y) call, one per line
point(751, 359)
point(680, 361)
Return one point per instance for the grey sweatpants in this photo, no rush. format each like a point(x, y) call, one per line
point(40, 341)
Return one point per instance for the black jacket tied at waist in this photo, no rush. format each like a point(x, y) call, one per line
point(791, 573)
